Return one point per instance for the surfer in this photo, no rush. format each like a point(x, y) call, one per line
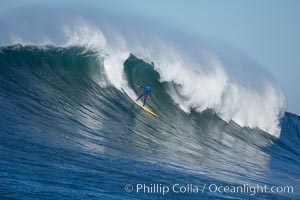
point(146, 93)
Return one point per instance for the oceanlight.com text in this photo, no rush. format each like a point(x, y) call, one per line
point(163, 189)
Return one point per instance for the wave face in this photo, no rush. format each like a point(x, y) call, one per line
point(68, 132)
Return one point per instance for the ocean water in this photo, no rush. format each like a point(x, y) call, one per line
point(65, 136)
point(69, 128)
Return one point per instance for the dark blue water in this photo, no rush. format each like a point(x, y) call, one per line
point(65, 136)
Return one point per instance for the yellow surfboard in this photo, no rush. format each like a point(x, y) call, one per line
point(146, 109)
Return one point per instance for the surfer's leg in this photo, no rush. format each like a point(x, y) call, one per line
point(140, 97)
point(145, 98)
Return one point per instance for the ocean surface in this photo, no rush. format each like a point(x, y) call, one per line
point(64, 135)
point(70, 129)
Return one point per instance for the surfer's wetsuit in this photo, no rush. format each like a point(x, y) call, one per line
point(146, 93)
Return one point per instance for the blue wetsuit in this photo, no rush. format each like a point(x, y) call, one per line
point(147, 90)
point(146, 93)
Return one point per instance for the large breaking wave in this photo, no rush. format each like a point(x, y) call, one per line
point(58, 102)
point(196, 76)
